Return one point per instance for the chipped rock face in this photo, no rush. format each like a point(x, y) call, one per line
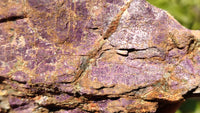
point(94, 56)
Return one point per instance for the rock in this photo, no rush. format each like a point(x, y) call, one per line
point(94, 56)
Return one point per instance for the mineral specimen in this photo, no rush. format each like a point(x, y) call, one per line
point(104, 56)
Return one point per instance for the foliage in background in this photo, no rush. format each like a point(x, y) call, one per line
point(190, 106)
point(187, 12)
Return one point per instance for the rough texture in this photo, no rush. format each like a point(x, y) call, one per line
point(79, 56)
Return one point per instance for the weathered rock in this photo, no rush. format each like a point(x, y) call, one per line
point(94, 56)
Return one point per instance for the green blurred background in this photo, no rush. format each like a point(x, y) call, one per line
point(187, 12)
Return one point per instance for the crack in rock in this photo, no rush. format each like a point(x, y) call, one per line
point(12, 18)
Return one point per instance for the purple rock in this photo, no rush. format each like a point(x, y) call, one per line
point(76, 56)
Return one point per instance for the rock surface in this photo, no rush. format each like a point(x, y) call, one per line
point(75, 56)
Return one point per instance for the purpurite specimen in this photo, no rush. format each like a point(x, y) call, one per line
point(74, 56)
